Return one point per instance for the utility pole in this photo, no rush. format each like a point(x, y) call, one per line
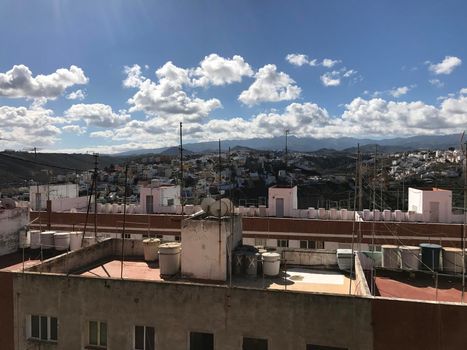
point(286, 150)
point(360, 179)
point(96, 156)
point(464, 229)
point(124, 221)
point(181, 168)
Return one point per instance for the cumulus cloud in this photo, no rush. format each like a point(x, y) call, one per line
point(19, 82)
point(399, 91)
point(463, 91)
point(76, 95)
point(270, 86)
point(166, 97)
point(297, 59)
point(104, 134)
point(29, 126)
point(75, 129)
point(436, 82)
point(331, 78)
point(216, 70)
point(446, 66)
point(97, 114)
point(134, 77)
point(329, 63)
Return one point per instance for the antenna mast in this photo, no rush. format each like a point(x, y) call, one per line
point(96, 155)
point(181, 168)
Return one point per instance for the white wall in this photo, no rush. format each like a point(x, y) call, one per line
point(11, 222)
point(65, 204)
point(419, 201)
point(161, 195)
point(51, 192)
point(289, 194)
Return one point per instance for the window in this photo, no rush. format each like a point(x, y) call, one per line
point(283, 243)
point(149, 204)
point(177, 238)
point(201, 341)
point(307, 245)
point(144, 338)
point(170, 202)
point(260, 242)
point(43, 328)
point(159, 236)
point(98, 333)
point(321, 347)
point(255, 344)
point(127, 235)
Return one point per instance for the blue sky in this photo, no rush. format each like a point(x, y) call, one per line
point(368, 68)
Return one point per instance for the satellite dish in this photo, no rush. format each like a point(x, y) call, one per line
point(219, 208)
point(206, 203)
point(8, 203)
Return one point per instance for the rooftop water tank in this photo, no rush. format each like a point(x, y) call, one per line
point(238, 257)
point(47, 239)
point(24, 239)
point(88, 241)
point(311, 213)
point(252, 210)
point(322, 213)
point(344, 214)
point(430, 256)
point(115, 208)
point(75, 240)
point(189, 208)
point(366, 214)
point(35, 239)
point(399, 215)
point(452, 260)
point(151, 248)
point(108, 208)
point(376, 215)
point(410, 257)
point(262, 211)
point(333, 213)
point(251, 266)
point(62, 241)
point(169, 258)
point(271, 264)
point(345, 259)
point(391, 256)
point(387, 215)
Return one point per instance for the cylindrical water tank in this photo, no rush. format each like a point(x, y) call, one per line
point(412, 216)
point(387, 215)
point(322, 213)
point(333, 213)
point(108, 208)
point(262, 211)
point(376, 215)
point(430, 256)
point(24, 239)
point(100, 207)
point(366, 214)
point(169, 258)
point(311, 213)
point(391, 256)
point(151, 248)
point(271, 263)
point(344, 214)
point(88, 241)
point(238, 257)
point(410, 257)
point(251, 210)
point(399, 215)
point(75, 240)
point(115, 208)
point(452, 260)
point(62, 241)
point(131, 209)
point(188, 209)
point(47, 239)
point(251, 266)
point(35, 239)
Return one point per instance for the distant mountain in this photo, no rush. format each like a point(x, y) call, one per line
point(311, 144)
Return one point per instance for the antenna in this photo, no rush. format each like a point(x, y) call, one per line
point(181, 168)
point(286, 150)
point(124, 220)
point(96, 156)
point(463, 147)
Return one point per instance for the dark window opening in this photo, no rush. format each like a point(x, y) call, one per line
point(201, 341)
point(255, 344)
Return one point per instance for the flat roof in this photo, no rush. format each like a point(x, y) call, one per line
point(296, 279)
point(14, 261)
point(418, 286)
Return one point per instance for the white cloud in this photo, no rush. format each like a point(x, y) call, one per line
point(436, 82)
point(75, 129)
point(216, 70)
point(270, 86)
point(19, 82)
point(134, 78)
point(166, 98)
point(297, 59)
point(76, 95)
point(463, 91)
point(331, 78)
point(107, 134)
point(399, 91)
point(97, 114)
point(329, 63)
point(446, 66)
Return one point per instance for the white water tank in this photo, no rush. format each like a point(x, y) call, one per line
point(399, 215)
point(262, 211)
point(47, 239)
point(151, 248)
point(410, 257)
point(391, 256)
point(108, 208)
point(189, 208)
point(75, 240)
point(322, 213)
point(452, 260)
point(35, 239)
point(24, 239)
point(387, 215)
point(271, 263)
point(100, 207)
point(333, 213)
point(62, 241)
point(345, 259)
point(311, 213)
point(344, 214)
point(169, 258)
point(412, 216)
point(115, 208)
point(376, 215)
point(252, 210)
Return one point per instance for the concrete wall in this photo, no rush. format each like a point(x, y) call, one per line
point(161, 195)
point(51, 192)
point(419, 202)
point(308, 257)
point(289, 320)
point(11, 222)
point(65, 204)
point(289, 194)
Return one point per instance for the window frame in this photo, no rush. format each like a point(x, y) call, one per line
point(280, 241)
point(201, 332)
point(145, 337)
point(39, 337)
point(98, 335)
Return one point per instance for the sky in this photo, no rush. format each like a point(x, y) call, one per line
point(116, 75)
